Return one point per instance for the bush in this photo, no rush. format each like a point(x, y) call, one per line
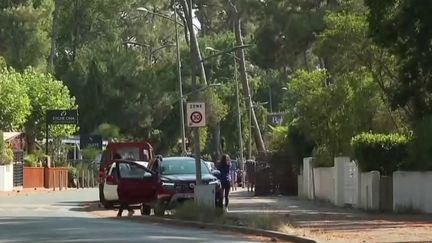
point(6, 154)
point(382, 152)
point(34, 160)
point(192, 211)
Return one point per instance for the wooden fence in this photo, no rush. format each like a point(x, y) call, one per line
point(36, 177)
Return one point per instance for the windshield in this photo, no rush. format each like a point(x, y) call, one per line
point(181, 166)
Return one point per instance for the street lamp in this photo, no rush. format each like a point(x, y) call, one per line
point(180, 84)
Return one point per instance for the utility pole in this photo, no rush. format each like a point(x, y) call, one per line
point(182, 118)
point(196, 57)
point(239, 126)
point(245, 81)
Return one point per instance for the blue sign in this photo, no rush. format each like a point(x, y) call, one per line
point(275, 119)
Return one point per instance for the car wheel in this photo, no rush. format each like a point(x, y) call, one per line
point(159, 209)
point(145, 209)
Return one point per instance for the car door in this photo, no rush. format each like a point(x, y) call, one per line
point(111, 184)
point(137, 184)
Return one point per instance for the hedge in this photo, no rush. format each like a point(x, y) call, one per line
point(382, 152)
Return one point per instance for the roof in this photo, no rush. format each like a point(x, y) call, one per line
point(10, 135)
point(178, 158)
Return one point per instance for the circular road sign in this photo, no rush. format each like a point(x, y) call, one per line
point(196, 117)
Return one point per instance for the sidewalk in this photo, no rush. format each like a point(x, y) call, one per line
point(327, 223)
point(28, 191)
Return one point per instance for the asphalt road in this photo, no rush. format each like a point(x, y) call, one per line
point(58, 217)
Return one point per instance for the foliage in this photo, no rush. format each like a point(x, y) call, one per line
point(383, 152)
point(7, 156)
point(35, 159)
point(90, 154)
point(190, 210)
point(288, 147)
point(420, 148)
point(6, 153)
point(45, 93)
point(403, 27)
point(72, 172)
point(108, 131)
point(332, 113)
point(14, 102)
point(287, 31)
point(25, 29)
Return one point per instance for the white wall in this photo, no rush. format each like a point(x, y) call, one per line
point(307, 179)
point(6, 177)
point(324, 183)
point(339, 173)
point(412, 191)
point(369, 190)
point(342, 184)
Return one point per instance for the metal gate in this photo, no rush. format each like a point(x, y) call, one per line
point(18, 169)
point(349, 181)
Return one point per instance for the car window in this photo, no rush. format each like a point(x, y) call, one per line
point(181, 166)
point(133, 171)
point(113, 170)
point(128, 153)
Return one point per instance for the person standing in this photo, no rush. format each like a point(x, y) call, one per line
point(124, 204)
point(224, 168)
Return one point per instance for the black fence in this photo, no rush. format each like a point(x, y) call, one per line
point(18, 169)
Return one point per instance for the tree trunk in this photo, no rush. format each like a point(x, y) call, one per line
point(30, 142)
point(194, 46)
point(196, 56)
point(245, 82)
point(54, 35)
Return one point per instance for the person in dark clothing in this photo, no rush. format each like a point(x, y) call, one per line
point(122, 171)
point(123, 205)
point(224, 168)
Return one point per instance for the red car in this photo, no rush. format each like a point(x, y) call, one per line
point(133, 183)
point(131, 151)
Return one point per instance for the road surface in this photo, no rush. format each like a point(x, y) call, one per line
point(59, 217)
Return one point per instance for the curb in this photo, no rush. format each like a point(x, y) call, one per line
point(232, 228)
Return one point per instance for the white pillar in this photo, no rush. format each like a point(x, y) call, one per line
point(339, 168)
point(307, 178)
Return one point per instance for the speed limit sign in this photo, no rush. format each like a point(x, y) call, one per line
point(196, 114)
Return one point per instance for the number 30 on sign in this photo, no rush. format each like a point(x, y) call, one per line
point(196, 114)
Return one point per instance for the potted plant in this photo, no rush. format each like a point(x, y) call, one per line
point(6, 167)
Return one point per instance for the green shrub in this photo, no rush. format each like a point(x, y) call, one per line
point(322, 157)
point(382, 152)
point(192, 211)
point(7, 156)
point(35, 159)
point(6, 153)
point(90, 154)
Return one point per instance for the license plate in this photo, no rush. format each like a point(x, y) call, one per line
point(186, 195)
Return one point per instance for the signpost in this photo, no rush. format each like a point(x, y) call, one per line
point(196, 114)
point(91, 142)
point(275, 119)
point(196, 118)
point(62, 117)
point(59, 117)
